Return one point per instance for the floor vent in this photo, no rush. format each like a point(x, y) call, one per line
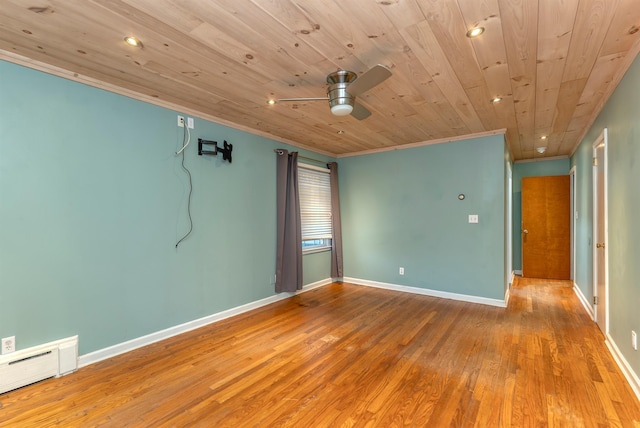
point(40, 362)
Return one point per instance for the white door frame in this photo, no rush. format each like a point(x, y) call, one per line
point(509, 225)
point(574, 220)
point(603, 141)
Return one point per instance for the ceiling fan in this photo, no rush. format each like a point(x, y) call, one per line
point(345, 85)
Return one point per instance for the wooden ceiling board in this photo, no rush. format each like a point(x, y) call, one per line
point(593, 20)
point(624, 26)
point(446, 22)
point(521, 22)
point(603, 73)
point(423, 43)
point(549, 79)
point(209, 49)
point(287, 50)
point(333, 35)
point(425, 92)
point(169, 45)
point(489, 49)
point(421, 92)
point(492, 59)
point(402, 13)
point(568, 99)
point(554, 63)
point(568, 141)
point(479, 69)
point(555, 26)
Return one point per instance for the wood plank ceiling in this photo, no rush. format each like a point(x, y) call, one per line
point(553, 62)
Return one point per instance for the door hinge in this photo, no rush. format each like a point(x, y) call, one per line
point(595, 161)
point(595, 300)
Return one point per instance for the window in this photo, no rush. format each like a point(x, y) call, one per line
point(315, 208)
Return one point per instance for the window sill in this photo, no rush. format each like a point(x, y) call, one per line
point(315, 250)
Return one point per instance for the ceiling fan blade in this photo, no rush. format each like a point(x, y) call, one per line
point(374, 76)
point(303, 99)
point(360, 112)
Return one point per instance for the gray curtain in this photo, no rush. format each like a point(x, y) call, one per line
point(336, 223)
point(289, 229)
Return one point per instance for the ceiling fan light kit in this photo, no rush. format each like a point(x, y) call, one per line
point(345, 85)
point(341, 109)
point(340, 101)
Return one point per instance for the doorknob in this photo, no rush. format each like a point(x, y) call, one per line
point(600, 245)
point(525, 231)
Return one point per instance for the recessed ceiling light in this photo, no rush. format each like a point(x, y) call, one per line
point(271, 102)
point(340, 132)
point(541, 150)
point(496, 100)
point(133, 41)
point(475, 32)
point(544, 137)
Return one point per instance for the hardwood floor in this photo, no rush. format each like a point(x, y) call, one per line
point(344, 355)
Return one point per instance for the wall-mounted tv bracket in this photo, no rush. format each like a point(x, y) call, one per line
point(225, 150)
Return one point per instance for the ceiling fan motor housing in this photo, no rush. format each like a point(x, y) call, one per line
point(340, 101)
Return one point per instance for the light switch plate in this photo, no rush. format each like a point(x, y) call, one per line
point(473, 218)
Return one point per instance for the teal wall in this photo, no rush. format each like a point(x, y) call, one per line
point(530, 169)
point(401, 208)
point(93, 200)
point(620, 117)
point(316, 266)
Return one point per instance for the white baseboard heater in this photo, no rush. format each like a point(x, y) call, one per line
point(37, 363)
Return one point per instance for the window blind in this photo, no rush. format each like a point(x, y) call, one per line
point(315, 203)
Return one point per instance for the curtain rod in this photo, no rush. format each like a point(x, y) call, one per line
point(280, 151)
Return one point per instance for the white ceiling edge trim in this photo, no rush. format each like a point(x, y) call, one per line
point(426, 143)
point(550, 158)
point(77, 77)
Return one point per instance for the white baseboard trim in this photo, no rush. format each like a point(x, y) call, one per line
point(507, 293)
point(518, 272)
point(626, 369)
point(584, 301)
point(130, 345)
point(619, 358)
point(428, 292)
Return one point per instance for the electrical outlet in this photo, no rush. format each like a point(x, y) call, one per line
point(190, 122)
point(8, 345)
point(634, 340)
point(181, 121)
point(401, 271)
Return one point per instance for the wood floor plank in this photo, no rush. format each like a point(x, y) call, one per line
point(344, 355)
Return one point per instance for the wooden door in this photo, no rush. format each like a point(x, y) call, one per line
point(546, 227)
